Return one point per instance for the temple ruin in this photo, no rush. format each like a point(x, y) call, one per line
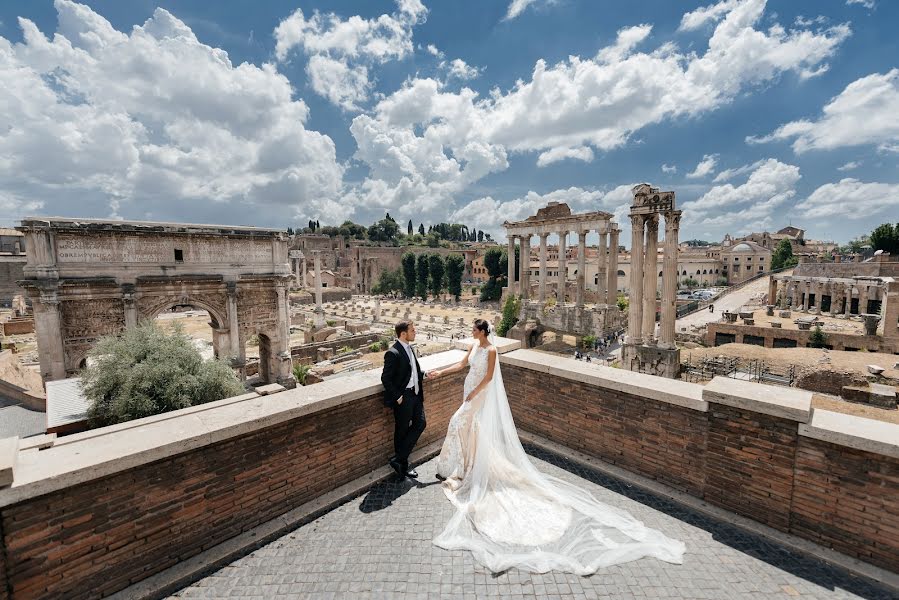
point(643, 350)
point(88, 278)
point(576, 318)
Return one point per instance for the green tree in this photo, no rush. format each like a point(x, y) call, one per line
point(455, 266)
point(493, 262)
point(421, 229)
point(480, 235)
point(145, 371)
point(409, 275)
point(389, 282)
point(436, 271)
point(352, 230)
point(886, 237)
point(385, 230)
point(409, 229)
point(818, 338)
point(511, 309)
point(783, 256)
point(622, 302)
point(421, 271)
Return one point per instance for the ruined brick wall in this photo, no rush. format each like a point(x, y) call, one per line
point(10, 272)
point(98, 537)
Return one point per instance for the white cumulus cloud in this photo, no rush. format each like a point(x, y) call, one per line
point(669, 168)
point(869, 4)
point(750, 205)
point(341, 50)
point(705, 167)
point(583, 153)
point(850, 199)
point(863, 113)
point(153, 122)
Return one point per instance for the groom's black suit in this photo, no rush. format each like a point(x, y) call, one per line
point(410, 414)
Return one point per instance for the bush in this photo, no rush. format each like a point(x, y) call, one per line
point(818, 338)
point(300, 372)
point(344, 349)
point(375, 347)
point(623, 303)
point(146, 372)
point(510, 315)
point(329, 323)
point(588, 340)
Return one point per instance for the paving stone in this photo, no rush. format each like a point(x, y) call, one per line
point(378, 545)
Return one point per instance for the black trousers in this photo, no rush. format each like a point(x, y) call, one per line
point(410, 423)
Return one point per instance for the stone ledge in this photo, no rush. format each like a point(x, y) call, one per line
point(9, 451)
point(38, 442)
point(786, 403)
point(101, 452)
point(877, 437)
point(272, 388)
point(662, 389)
point(503, 345)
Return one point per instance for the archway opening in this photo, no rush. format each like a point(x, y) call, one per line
point(198, 324)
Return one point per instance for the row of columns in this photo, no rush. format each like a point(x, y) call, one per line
point(797, 294)
point(607, 267)
point(644, 279)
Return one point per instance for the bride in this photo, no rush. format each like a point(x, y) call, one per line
point(509, 514)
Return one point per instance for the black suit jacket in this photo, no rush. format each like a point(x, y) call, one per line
point(396, 373)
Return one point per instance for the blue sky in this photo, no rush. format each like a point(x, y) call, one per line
point(757, 114)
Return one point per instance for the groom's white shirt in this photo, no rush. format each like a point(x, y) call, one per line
point(413, 379)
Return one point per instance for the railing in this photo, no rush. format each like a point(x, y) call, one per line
point(746, 370)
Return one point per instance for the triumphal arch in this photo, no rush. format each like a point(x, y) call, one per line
point(89, 278)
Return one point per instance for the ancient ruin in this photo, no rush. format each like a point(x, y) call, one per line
point(564, 316)
point(88, 278)
point(643, 351)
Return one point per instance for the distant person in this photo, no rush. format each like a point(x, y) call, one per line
point(711, 308)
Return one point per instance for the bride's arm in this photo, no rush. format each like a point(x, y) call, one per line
point(491, 366)
point(456, 367)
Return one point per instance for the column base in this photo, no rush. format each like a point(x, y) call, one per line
point(651, 360)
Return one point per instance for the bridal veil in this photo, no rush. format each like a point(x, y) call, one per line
point(509, 514)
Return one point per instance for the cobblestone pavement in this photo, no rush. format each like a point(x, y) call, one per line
point(379, 546)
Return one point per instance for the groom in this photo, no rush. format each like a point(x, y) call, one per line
point(403, 391)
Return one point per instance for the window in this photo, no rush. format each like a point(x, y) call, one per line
point(697, 271)
point(703, 271)
point(748, 267)
point(748, 259)
point(736, 259)
point(761, 268)
point(179, 255)
point(620, 273)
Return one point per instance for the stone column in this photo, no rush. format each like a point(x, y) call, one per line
point(602, 260)
point(581, 267)
point(542, 296)
point(130, 306)
point(863, 299)
point(303, 283)
point(524, 267)
point(510, 253)
point(298, 275)
point(319, 311)
point(635, 304)
point(48, 333)
point(282, 365)
point(847, 310)
point(650, 278)
point(807, 286)
point(236, 352)
point(669, 281)
point(612, 272)
point(563, 264)
point(772, 284)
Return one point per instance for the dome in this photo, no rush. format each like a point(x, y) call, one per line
point(742, 247)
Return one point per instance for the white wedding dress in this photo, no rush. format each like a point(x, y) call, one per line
point(509, 514)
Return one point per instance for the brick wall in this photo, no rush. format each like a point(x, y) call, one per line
point(752, 464)
point(749, 464)
point(847, 499)
point(655, 439)
point(98, 537)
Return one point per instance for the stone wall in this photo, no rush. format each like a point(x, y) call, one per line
point(94, 532)
point(328, 295)
point(847, 269)
point(17, 326)
point(10, 272)
point(835, 341)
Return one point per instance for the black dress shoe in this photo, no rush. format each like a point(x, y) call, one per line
point(440, 477)
point(412, 473)
point(396, 466)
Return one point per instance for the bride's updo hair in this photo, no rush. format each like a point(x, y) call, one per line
point(483, 325)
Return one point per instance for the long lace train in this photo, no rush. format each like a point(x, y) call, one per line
point(509, 514)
